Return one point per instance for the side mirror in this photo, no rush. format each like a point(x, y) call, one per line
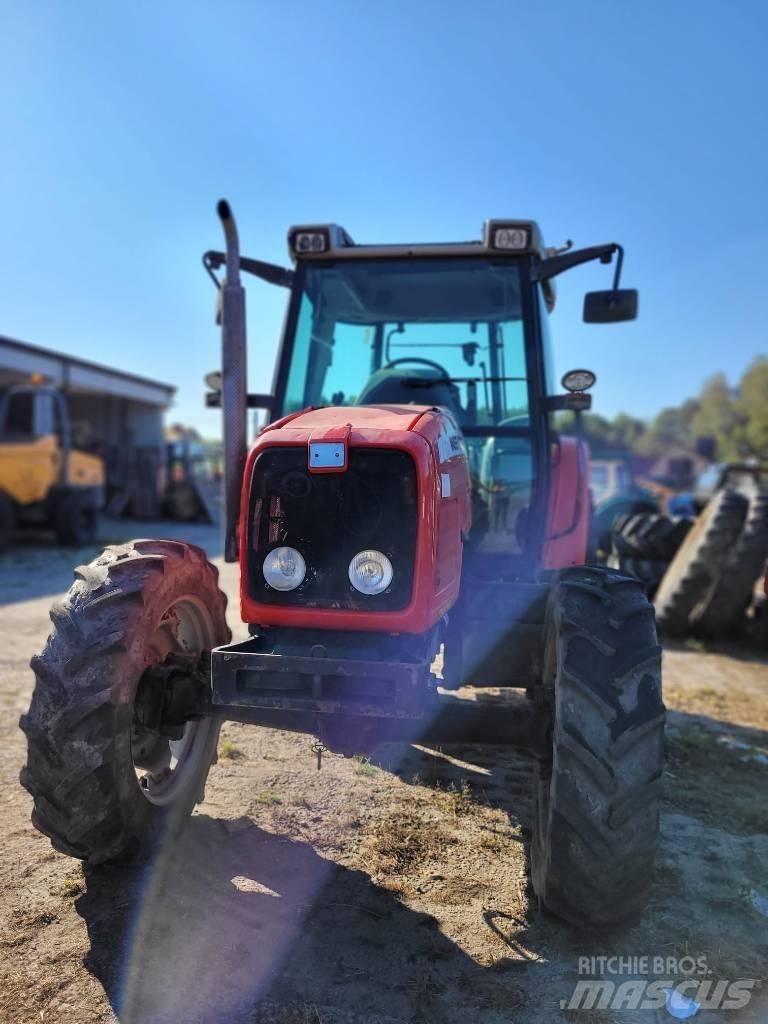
point(610, 307)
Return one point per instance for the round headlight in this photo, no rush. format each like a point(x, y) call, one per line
point(284, 568)
point(370, 572)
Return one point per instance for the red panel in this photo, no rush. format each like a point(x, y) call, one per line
point(428, 436)
point(568, 517)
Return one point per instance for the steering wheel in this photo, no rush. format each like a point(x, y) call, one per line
point(416, 359)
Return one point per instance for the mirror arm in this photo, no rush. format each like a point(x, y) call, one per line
point(269, 272)
point(574, 401)
point(252, 401)
point(619, 263)
point(555, 265)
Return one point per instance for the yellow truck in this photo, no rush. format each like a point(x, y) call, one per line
point(44, 481)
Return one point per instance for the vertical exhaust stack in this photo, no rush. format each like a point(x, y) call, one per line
point(234, 384)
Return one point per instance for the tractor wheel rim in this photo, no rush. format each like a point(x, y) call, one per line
point(174, 763)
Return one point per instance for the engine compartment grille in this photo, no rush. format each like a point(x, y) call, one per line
point(329, 518)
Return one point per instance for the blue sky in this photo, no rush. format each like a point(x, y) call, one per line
point(645, 123)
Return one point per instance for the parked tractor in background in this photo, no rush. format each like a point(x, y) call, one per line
point(615, 495)
point(408, 497)
point(193, 489)
point(45, 480)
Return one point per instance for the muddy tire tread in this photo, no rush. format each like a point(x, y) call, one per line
point(649, 537)
point(79, 717)
point(722, 612)
point(699, 562)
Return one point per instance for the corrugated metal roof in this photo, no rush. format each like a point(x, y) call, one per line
point(81, 375)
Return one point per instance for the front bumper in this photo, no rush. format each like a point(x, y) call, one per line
point(257, 674)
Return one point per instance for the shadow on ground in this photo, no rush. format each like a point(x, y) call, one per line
point(230, 922)
point(750, 646)
point(225, 921)
point(235, 924)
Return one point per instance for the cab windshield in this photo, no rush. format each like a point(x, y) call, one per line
point(443, 331)
point(426, 331)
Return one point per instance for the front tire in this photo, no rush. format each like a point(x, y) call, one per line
point(102, 787)
point(596, 798)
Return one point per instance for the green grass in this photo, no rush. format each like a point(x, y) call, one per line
point(455, 799)
point(230, 750)
point(267, 798)
point(364, 767)
point(692, 644)
point(72, 885)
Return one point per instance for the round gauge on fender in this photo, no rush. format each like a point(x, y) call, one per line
point(284, 568)
point(578, 380)
point(370, 572)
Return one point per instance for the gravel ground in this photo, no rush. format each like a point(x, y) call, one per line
point(391, 890)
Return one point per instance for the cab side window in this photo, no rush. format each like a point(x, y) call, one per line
point(19, 417)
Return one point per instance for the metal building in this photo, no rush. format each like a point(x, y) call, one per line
point(118, 414)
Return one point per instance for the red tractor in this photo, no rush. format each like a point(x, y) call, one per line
point(408, 499)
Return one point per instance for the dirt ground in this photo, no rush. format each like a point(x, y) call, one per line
point(384, 891)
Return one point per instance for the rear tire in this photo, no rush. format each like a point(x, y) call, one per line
point(649, 537)
point(596, 800)
point(649, 572)
point(76, 520)
point(699, 562)
point(7, 521)
point(183, 504)
point(126, 611)
point(609, 512)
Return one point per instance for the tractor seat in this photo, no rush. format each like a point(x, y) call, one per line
point(390, 387)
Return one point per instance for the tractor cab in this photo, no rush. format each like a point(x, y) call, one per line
point(459, 326)
point(429, 330)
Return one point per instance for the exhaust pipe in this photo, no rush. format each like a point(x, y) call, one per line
point(234, 383)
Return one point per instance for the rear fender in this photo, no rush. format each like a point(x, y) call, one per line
point(568, 515)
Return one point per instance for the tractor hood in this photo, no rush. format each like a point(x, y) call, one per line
point(336, 481)
point(425, 431)
point(360, 423)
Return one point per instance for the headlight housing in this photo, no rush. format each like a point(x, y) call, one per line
point(370, 572)
point(284, 568)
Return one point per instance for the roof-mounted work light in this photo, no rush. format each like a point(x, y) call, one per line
point(508, 236)
point(311, 241)
point(317, 239)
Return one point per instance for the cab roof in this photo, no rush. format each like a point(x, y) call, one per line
point(323, 241)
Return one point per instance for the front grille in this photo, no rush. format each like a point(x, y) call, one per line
point(329, 518)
